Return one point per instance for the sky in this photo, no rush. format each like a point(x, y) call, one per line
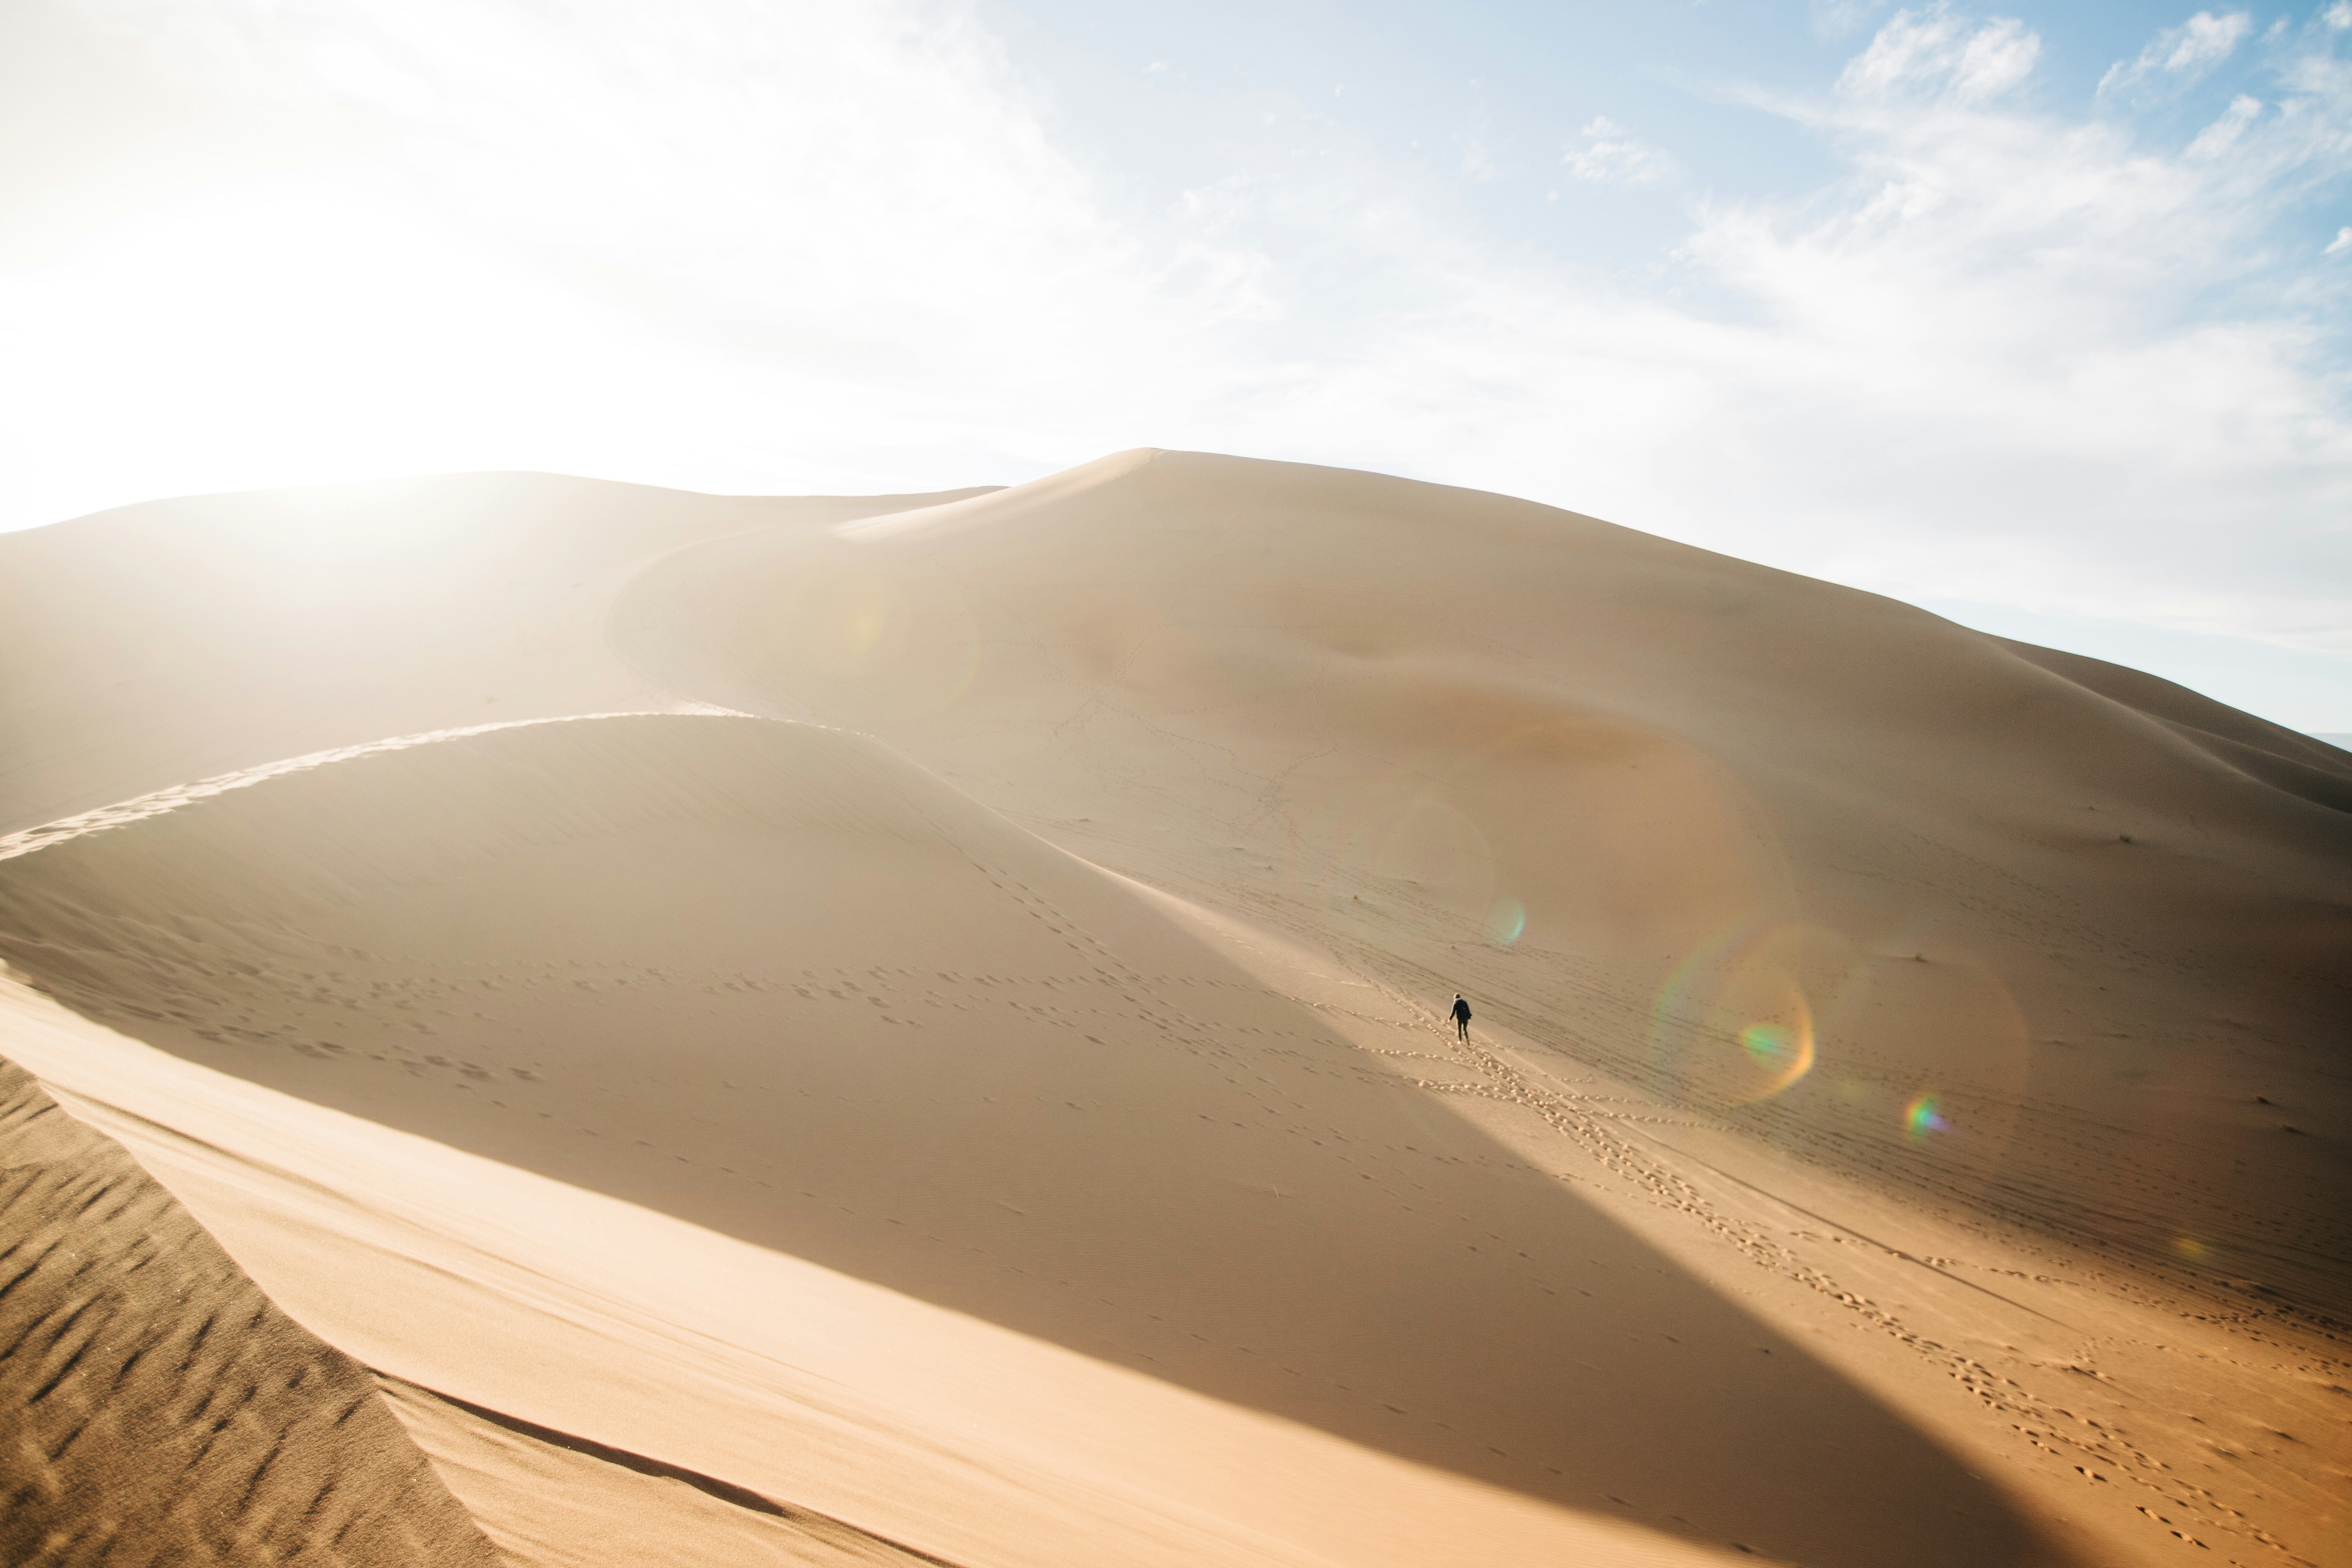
point(2033, 315)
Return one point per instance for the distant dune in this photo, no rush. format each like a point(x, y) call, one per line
point(911, 1028)
point(2127, 901)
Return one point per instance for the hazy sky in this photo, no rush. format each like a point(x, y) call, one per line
point(2035, 315)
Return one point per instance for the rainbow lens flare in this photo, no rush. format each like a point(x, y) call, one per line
point(1923, 1116)
point(1506, 921)
point(1769, 1046)
point(1734, 1023)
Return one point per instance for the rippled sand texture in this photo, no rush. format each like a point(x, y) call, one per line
point(161, 1410)
point(832, 1030)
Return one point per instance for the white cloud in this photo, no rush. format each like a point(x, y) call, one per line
point(824, 209)
point(2001, 355)
point(2178, 57)
point(2342, 242)
point(1836, 18)
point(1989, 361)
point(2224, 132)
point(1611, 153)
point(1934, 54)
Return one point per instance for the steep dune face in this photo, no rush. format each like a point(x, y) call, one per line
point(1890, 891)
point(773, 979)
point(165, 642)
point(160, 1410)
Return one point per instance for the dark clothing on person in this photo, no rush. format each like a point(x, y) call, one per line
point(1460, 1018)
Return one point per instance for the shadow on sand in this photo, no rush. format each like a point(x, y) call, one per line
point(1159, 1163)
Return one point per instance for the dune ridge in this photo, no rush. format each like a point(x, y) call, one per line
point(1909, 1056)
point(1653, 753)
point(158, 644)
point(562, 1499)
point(2311, 766)
point(162, 1409)
point(1152, 1159)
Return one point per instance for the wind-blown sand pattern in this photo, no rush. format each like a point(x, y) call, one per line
point(162, 1411)
point(939, 1056)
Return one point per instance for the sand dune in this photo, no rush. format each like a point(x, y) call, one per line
point(1687, 790)
point(2309, 767)
point(637, 955)
point(162, 1409)
point(1905, 1062)
point(561, 1498)
point(144, 648)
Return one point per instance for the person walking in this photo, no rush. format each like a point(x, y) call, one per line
point(1461, 1017)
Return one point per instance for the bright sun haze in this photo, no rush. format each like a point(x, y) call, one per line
point(1025, 783)
point(2033, 316)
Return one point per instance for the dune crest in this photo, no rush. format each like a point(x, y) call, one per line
point(1056, 1108)
point(1634, 783)
point(147, 648)
point(161, 1409)
point(1904, 1070)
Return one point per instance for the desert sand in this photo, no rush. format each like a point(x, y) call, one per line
point(162, 1409)
point(912, 1028)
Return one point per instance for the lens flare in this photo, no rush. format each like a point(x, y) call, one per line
point(1947, 1049)
point(1735, 1024)
point(861, 630)
point(1769, 1045)
point(1506, 921)
point(849, 638)
point(1922, 1116)
point(1391, 844)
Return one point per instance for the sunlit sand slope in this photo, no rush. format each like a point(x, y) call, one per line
point(2026, 934)
point(983, 1094)
point(554, 1499)
point(158, 1408)
point(161, 643)
point(775, 980)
